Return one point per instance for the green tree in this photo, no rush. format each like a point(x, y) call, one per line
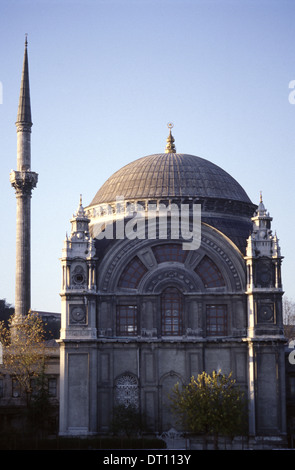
point(23, 349)
point(211, 405)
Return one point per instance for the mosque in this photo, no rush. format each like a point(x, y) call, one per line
point(169, 271)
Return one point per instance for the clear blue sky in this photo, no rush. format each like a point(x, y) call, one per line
point(107, 75)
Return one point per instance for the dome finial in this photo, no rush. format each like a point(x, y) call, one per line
point(170, 147)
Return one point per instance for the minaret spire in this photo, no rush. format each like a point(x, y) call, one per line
point(24, 106)
point(23, 180)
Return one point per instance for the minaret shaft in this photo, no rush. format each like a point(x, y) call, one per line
point(23, 149)
point(23, 181)
point(23, 255)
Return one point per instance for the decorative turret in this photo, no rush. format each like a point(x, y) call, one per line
point(265, 323)
point(78, 279)
point(262, 242)
point(264, 284)
point(80, 223)
point(263, 247)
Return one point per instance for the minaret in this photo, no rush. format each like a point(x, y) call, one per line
point(23, 180)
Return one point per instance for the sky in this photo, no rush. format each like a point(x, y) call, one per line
point(106, 76)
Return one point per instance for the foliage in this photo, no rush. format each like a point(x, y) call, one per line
point(289, 318)
point(23, 349)
point(210, 405)
point(127, 420)
point(41, 406)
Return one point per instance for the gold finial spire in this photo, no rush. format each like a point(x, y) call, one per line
point(170, 147)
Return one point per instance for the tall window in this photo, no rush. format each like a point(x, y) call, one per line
point(126, 320)
point(216, 320)
point(52, 386)
point(172, 312)
point(15, 388)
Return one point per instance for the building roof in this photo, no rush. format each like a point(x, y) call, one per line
point(170, 175)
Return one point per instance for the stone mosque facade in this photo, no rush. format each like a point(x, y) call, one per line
point(170, 271)
point(143, 311)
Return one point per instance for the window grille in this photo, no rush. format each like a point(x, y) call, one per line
point(126, 390)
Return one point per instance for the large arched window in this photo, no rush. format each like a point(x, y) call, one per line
point(172, 312)
point(169, 252)
point(132, 274)
point(209, 273)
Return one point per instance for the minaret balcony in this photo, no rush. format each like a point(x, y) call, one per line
point(23, 181)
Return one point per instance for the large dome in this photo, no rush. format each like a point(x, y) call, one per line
point(170, 175)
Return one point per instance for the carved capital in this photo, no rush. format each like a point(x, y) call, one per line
point(23, 182)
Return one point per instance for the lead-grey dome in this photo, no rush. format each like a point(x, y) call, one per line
point(170, 175)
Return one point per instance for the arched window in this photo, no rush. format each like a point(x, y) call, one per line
point(209, 273)
point(169, 252)
point(172, 312)
point(126, 390)
point(132, 274)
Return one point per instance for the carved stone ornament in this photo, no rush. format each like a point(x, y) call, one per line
point(78, 277)
point(266, 313)
point(77, 315)
point(23, 181)
point(126, 390)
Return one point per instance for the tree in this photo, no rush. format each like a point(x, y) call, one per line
point(211, 405)
point(23, 349)
point(289, 318)
point(41, 408)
